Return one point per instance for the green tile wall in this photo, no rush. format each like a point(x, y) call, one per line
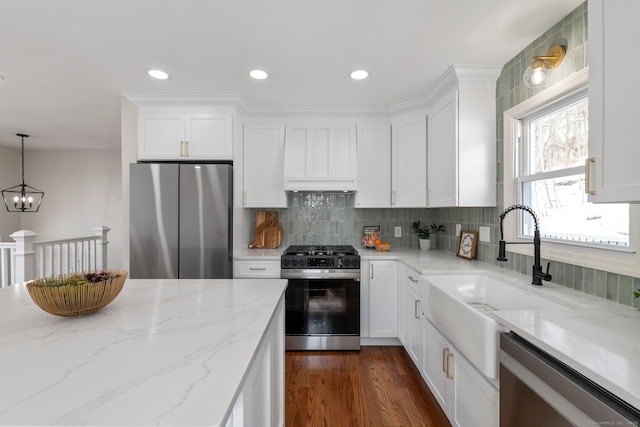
point(328, 218)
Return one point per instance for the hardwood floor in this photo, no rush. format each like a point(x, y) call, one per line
point(378, 386)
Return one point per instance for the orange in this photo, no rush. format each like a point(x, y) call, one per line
point(378, 242)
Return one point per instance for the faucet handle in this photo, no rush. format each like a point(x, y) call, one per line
point(547, 276)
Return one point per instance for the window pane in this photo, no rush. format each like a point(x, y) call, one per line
point(564, 213)
point(560, 139)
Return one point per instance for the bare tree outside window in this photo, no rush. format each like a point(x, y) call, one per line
point(551, 181)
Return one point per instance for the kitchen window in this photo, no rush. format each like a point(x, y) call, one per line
point(552, 147)
point(550, 178)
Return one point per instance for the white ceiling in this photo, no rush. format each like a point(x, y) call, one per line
point(66, 63)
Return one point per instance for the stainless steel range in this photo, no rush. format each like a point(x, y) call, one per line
point(323, 297)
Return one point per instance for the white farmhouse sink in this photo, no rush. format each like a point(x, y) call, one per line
point(461, 306)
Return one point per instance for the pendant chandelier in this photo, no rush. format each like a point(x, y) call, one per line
point(22, 197)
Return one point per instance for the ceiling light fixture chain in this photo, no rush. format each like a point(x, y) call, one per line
point(23, 136)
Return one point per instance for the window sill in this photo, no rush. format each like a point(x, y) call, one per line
point(625, 263)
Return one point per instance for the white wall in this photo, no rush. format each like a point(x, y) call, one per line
point(82, 190)
point(9, 176)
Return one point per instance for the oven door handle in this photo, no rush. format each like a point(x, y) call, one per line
point(320, 274)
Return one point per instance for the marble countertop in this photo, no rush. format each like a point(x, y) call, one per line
point(244, 253)
point(164, 352)
point(600, 339)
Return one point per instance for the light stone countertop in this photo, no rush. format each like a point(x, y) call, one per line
point(600, 340)
point(244, 253)
point(164, 352)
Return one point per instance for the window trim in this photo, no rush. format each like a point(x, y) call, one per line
point(626, 263)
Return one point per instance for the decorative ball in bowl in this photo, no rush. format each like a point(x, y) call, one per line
point(77, 294)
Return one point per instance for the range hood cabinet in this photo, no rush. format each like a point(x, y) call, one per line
point(320, 159)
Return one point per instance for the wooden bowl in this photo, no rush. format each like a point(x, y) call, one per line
point(383, 247)
point(75, 299)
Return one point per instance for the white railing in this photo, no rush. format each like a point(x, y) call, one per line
point(7, 265)
point(27, 259)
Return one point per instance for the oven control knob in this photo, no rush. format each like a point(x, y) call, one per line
point(294, 262)
point(355, 262)
point(346, 262)
point(303, 262)
point(285, 262)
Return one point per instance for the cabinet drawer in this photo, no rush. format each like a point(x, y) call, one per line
point(257, 269)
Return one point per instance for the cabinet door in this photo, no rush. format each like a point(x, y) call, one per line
point(383, 299)
point(413, 321)
point(613, 99)
point(160, 136)
point(436, 351)
point(208, 136)
point(264, 166)
point(477, 402)
point(442, 141)
point(409, 163)
point(403, 297)
point(374, 166)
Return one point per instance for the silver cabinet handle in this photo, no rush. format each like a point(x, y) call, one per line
point(412, 279)
point(393, 198)
point(244, 198)
point(371, 271)
point(186, 149)
point(181, 151)
point(587, 176)
point(416, 309)
point(257, 268)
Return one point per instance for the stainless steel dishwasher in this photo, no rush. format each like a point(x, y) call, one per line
point(539, 390)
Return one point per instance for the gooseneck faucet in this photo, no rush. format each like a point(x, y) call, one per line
point(538, 274)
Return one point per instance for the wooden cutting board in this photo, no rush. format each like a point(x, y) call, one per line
point(268, 234)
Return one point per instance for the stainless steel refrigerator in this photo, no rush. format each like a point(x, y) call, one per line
point(181, 221)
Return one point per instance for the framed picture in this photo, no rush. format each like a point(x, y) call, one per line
point(467, 243)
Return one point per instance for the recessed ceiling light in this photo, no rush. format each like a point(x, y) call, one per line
point(158, 74)
point(258, 74)
point(359, 74)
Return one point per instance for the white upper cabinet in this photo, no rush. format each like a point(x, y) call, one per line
point(461, 138)
point(409, 162)
point(185, 127)
point(320, 158)
point(264, 166)
point(374, 166)
point(177, 135)
point(612, 171)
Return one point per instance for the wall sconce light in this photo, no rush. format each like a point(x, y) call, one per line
point(535, 73)
point(22, 197)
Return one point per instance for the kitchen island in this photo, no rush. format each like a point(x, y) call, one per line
point(164, 352)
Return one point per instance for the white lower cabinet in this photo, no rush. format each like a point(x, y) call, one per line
point(409, 315)
point(256, 269)
point(468, 399)
point(383, 299)
point(261, 398)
